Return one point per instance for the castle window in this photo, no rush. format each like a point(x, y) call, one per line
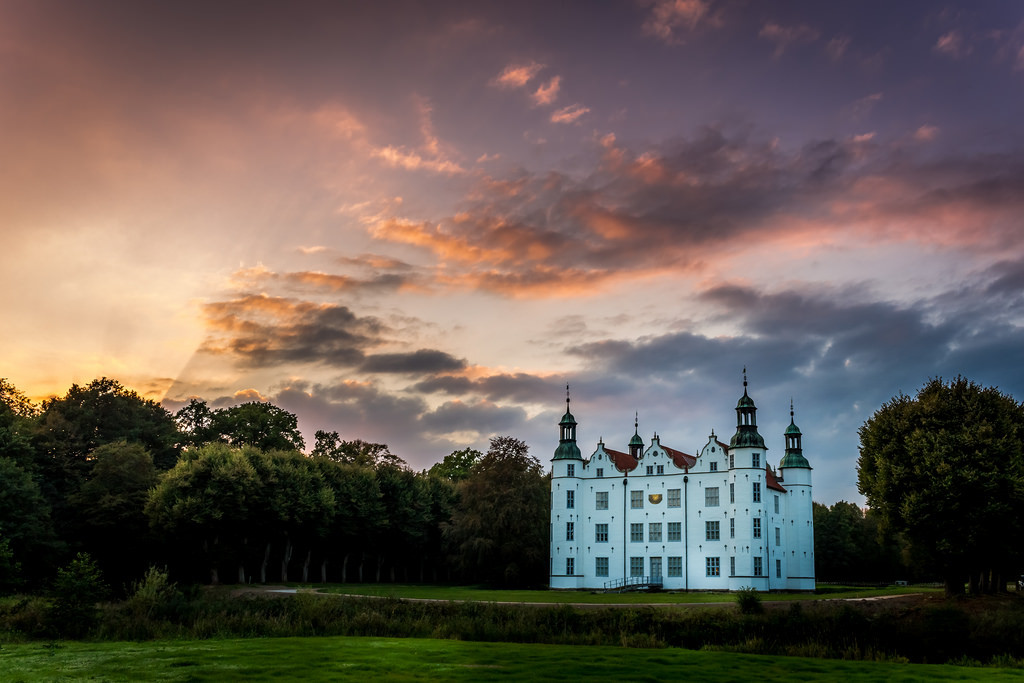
point(757, 527)
point(732, 527)
point(636, 533)
point(636, 499)
point(732, 493)
point(732, 461)
point(675, 566)
point(570, 531)
point(675, 531)
point(601, 502)
point(636, 566)
point(600, 472)
point(570, 565)
point(711, 532)
point(757, 492)
point(778, 536)
point(570, 470)
point(654, 532)
point(778, 569)
point(601, 566)
point(757, 460)
point(776, 503)
point(712, 566)
point(570, 499)
point(732, 566)
point(650, 469)
point(714, 467)
point(601, 533)
point(711, 497)
point(673, 498)
point(758, 568)
point(661, 469)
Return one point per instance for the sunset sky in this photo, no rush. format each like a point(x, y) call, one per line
point(415, 223)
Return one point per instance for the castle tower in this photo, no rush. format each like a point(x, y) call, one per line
point(566, 530)
point(748, 525)
point(795, 472)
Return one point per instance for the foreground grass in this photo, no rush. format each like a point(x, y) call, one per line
point(272, 659)
point(478, 594)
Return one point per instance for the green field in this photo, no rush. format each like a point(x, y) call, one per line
point(477, 594)
point(269, 659)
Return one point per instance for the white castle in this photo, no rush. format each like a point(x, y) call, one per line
point(720, 520)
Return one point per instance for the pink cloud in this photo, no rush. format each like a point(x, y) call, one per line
point(668, 17)
point(953, 45)
point(570, 114)
point(517, 75)
point(926, 133)
point(785, 37)
point(547, 92)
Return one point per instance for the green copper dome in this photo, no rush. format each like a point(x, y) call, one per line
point(794, 460)
point(636, 440)
point(567, 448)
point(792, 429)
point(745, 401)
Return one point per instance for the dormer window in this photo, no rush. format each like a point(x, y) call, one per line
point(600, 472)
point(714, 467)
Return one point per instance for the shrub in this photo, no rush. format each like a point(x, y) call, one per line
point(749, 601)
point(76, 590)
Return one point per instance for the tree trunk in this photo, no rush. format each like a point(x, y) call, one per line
point(286, 558)
point(344, 568)
point(362, 561)
point(305, 566)
point(380, 566)
point(955, 586)
point(241, 572)
point(210, 554)
point(266, 561)
point(323, 571)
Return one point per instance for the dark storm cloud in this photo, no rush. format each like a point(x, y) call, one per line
point(421, 362)
point(260, 331)
point(482, 418)
point(674, 204)
point(519, 387)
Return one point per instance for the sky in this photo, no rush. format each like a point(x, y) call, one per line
point(416, 223)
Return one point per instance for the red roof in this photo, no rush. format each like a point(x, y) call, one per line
point(624, 462)
point(773, 483)
point(723, 446)
point(682, 460)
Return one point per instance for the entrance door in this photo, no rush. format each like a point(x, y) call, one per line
point(656, 569)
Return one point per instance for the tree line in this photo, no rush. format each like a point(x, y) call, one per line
point(228, 495)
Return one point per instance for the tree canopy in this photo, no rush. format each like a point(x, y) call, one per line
point(946, 467)
point(499, 530)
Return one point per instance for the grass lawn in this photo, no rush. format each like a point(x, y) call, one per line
point(272, 659)
point(477, 594)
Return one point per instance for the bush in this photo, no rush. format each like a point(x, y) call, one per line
point(76, 590)
point(749, 601)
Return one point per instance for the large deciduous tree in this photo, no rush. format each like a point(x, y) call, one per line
point(261, 425)
point(499, 529)
point(946, 467)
